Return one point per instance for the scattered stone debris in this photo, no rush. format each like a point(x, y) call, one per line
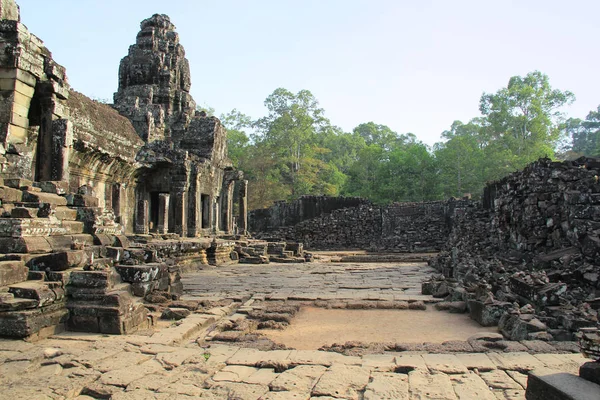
point(351, 223)
point(526, 258)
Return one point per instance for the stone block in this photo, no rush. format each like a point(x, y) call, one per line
point(590, 371)
point(22, 227)
point(103, 240)
point(72, 227)
point(32, 245)
point(142, 273)
point(65, 213)
point(10, 195)
point(81, 200)
point(60, 261)
point(487, 314)
point(60, 243)
point(41, 197)
point(12, 272)
point(548, 384)
point(94, 279)
point(34, 290)
point(17, 183)
point(23, 212)
point(13, 304)
point(22, 324)
point(54, 187)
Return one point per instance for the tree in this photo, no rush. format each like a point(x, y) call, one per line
point(238, 140)
point(585, 135)
point(524, 117)
point(380, 135)
point(290, 131)
point(461, 159)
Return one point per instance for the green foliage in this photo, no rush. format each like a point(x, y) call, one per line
point(585, 135)
point(295, 150)
point(524, 117)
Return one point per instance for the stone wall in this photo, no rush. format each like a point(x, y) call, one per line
point(398, 227)
point(290, 213)
point(533, 241)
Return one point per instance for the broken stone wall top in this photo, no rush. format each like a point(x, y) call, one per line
point(100, 128)
point(291, 213)
point(354, 223)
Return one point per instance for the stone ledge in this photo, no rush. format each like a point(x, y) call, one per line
point(550, 384)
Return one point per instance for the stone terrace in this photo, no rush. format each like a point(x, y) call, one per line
point(180, 361)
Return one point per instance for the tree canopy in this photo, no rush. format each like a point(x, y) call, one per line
point(295, 150)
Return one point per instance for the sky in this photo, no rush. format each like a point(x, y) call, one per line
point(415, 66)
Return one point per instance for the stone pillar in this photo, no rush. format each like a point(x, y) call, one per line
point(163, 212)
point(62, 142)
point(179, 204)
point(141, 217)
point(243, 204)
point(227, 208)
point(215, 215)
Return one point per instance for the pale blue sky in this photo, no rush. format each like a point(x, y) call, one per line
point(415, 66)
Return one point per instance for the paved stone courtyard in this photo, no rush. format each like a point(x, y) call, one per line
point(311, 281)
point(177, 361)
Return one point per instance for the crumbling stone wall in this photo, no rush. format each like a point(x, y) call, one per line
point(290, 213)
point(398, 227)
point(533, 241)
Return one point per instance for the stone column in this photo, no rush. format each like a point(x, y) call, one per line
point(243, 204)
point(141, 217)
point(163, 212)
point(227, 207)
point(215, 215)
point(62, 141)
point(179, 204)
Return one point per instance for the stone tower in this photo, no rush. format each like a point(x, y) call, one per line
point(187, 183)
point(154, 83)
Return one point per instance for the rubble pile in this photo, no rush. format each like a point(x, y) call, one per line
point(526, 257)
point(271, 250)
point(398, 227)
point(290, 213)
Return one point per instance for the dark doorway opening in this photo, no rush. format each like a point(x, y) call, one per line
point(153, 211)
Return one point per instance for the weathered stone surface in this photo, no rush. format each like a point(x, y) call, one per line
point(552, 384)
point(342, 381)
point(425, 386)
point(386, 385)
point(471, 386)
point(12, 272)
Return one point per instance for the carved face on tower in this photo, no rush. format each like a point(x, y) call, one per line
point(154, 81)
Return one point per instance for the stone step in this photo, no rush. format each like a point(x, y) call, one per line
point(41, 197)
point(81, 200)
point(10, 195)
point(17, 183)
point(142, 272)
point(54, 187)
point(22, 227)
point(43, 292)
point(24, 212)
point(12, 272)
point(105, 279)
point(60, 261)
point(16, 304)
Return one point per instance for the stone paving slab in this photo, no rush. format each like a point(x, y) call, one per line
point(176, 362)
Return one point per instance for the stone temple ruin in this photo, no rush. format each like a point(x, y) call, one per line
point(79, 177)
point(104, 208)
